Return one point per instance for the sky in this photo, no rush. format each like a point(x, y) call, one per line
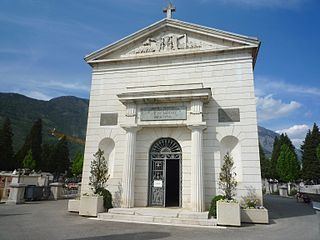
point(43, 43)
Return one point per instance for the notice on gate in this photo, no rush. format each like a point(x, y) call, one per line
point(163, 113)
point(157, 183)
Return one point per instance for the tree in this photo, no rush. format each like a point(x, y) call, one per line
point(47, 157)
point(77, 164)
point(7, 161)
point(278, 142)
point(310, 161)
point(288, 167)
point(264, 163)
point(59, 161)
point(227, 180)
point(33, 141)
point(318, 152)
point(28, 161)
point(274, 158)
point(99, 172)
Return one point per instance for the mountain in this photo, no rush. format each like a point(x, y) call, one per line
point(266, 139)
point(68, 115)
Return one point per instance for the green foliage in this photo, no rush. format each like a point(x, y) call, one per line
point(310, 160)
point(77, 164)
point(47, 157)
point(107, 198)
point(265, 164)
point(274, 158)
point(36, 142)
point(213, 206)
point(99, 172)
point(293, 192)
point(288, 167)
point(278, 142)
point(7, 161)
point(318, 152)
point(67, 114)
point(28, 161)
point(59, 162)
point(227, 180)
point(33, 141)
point(250, 200)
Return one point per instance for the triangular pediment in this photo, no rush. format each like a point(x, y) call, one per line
point(172, 37)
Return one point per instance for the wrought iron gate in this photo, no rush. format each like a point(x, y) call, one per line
point(164, 149)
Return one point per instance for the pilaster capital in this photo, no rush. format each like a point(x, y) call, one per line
point(131, 128)
point(197, 126)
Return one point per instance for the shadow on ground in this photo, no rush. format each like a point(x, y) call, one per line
point(131, 236)
point(281, 207)
point(12, 214)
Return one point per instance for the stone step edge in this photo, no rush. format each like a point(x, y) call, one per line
point(180, 215)
point(159, 223)
point(151, 219)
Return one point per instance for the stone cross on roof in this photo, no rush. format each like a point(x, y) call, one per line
point(169, 9)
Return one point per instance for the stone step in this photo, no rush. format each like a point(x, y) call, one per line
point(157, 219)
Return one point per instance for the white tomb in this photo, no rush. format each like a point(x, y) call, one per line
point(166, 104)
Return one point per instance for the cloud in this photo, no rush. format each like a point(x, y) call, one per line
point(270, 108)
point(36, 95)
point(277, 85)
point(66, 86)
point(284, 4)
point(296, 133)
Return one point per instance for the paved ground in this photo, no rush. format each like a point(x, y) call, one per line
point(50, 220)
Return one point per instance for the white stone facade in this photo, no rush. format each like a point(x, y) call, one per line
point(204, 70)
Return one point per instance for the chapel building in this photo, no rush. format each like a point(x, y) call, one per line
point(166, 104)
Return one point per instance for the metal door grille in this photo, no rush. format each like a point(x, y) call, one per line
point(164, 149)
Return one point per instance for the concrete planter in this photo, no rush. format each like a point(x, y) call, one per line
point(91, 205)
point(228, 213)
point(73, 205)
point(255, 216)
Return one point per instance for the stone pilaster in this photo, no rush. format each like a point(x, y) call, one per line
point(197, 185)
point(129, 168)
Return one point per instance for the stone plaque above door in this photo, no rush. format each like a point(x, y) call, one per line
point(163, 113)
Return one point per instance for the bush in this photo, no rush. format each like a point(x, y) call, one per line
point(293, 192)
point(227, 181)
point(107, 198)
point(213, 206)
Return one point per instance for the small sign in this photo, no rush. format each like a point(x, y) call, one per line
point(157, 183)
point(229, 115)
point(108, 119)
point(163, 113)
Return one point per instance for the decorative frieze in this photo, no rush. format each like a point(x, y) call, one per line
point(169, 42)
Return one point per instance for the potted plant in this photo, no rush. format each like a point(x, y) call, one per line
point(252, 211)
point(228, 209)
point(92, 204)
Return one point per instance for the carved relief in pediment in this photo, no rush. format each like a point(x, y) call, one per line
point(170, 42)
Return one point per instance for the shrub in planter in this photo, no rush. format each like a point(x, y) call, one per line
point(252, 211)
point(228, 209)
point(92, 204)
point(107, 198)
point(213, 206)
point(227, 180)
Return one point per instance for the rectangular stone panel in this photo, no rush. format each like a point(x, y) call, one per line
point(163, 113)
point(108, 119)
point(229, 115)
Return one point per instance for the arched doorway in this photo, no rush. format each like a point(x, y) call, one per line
point(165, 173)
